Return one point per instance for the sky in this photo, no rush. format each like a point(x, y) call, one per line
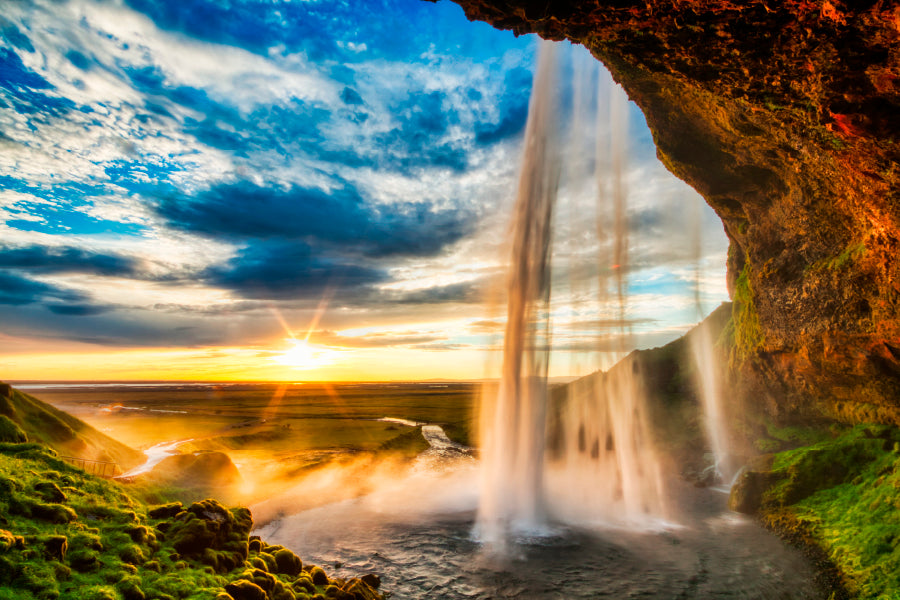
point(309, 190)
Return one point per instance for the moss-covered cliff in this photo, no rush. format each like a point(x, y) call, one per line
point(785, 116)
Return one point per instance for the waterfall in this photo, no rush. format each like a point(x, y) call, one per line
point(601, 465)
point(710, 389)
point(512, 443)
point(601, 451)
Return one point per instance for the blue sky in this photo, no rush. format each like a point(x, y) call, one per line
point(213, 177)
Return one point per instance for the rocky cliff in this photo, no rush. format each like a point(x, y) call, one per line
point(785, 116)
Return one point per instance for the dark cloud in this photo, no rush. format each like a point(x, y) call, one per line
point(77, 310)
point(67, 260)
point(375, 340)
point(468, 292)
point(292, 271)
point(18, 290)
point(334, 219)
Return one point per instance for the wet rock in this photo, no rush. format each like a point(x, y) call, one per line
point(747, 492)
point(360, 590)
point(372, 580)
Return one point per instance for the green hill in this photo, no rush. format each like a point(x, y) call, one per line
point(66, 434)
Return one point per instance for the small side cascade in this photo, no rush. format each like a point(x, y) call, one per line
point(709, 386)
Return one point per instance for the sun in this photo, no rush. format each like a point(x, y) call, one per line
point(303, 355)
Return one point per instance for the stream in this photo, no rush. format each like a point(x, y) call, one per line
point(417, 534)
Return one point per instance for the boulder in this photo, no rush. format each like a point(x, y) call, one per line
point(245, 590)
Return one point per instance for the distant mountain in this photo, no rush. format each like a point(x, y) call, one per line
point(66, 434)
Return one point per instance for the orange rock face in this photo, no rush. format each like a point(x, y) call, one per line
point(785, 116)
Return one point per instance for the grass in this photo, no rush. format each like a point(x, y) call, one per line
point(64, 533)
point(843, 495)
point(64, 433)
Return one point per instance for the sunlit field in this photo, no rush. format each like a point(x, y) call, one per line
point(274, 433)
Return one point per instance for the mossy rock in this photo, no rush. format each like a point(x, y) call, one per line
point(54, 513)
point(130, 588)
point(287, 562)
point(245, 590)
point(360, 590)
point(212, 534)
point(132, 555)
point(84, 560)
point(165, 511)
point(55, 547)
point(271, 565)
point(304, 584)
point(318, 575)
point(49, 491)
point(10, 432)
point(8, 541)
point(748, 490)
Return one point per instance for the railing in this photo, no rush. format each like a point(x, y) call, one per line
point(99, 468)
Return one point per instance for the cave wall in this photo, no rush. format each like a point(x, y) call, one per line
point(785, 116)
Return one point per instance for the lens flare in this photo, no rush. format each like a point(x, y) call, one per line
point(303, 355)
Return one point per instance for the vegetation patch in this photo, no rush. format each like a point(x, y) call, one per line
point(842, 495)
point(67, 534)
point(748, 335)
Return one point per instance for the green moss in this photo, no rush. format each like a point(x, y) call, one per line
point(843, 494)
point(850, 255)
point(748, 335)
point(67, 534)
point(10, 432)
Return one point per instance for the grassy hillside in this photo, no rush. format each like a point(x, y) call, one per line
point(67, 534)
point(62, 432)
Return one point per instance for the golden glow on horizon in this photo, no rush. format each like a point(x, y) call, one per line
point(67, 361)
point(304, 355)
